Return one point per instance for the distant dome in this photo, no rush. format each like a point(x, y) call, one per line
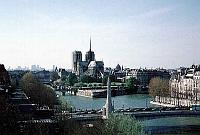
point(92, 64)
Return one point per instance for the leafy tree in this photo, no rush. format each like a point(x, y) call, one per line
point(115, 125)
point(63, 78)
point(122, 125)
point(71, 79)
point(54, 76)
point(132, 85)
point(158, 87)
point(87, 79)
point(105, 79)
point(38, 92)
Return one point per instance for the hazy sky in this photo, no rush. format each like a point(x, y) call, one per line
point(135, 33)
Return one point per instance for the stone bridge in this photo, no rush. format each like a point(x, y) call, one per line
point(163, 114)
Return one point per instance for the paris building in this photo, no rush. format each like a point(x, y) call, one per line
point(90, 66)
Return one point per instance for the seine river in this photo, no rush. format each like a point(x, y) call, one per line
point(126, 101)
point(137, 100)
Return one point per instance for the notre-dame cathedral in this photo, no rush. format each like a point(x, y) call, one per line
point(90, 66)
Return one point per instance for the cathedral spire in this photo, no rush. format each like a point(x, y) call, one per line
point(90, 44)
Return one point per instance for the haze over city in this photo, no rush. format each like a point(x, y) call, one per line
point(135, 33)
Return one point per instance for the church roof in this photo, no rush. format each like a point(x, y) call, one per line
point(118, 67)
point(92, 64)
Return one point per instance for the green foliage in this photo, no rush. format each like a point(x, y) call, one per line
point(71, 79)
point(54, 76)
point(105, 79)
point(38, 93)
point(63, 104)
point(132, 85)
point(158, 87)
point(63, 78)
point(122, 125)
point(115, 125)
point(87, 79)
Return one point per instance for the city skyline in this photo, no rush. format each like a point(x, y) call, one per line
point(135, 34)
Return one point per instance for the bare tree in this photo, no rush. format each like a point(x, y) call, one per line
point(158, 87)
point(38, 93)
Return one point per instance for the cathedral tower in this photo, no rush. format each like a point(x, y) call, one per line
point(90, 56)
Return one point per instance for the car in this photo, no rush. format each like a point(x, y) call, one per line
point(154, 109)
point(137, 109)
point(92, 112)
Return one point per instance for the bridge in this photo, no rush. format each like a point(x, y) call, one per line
point(140, 114)
point(90, 117)
point(163, 114)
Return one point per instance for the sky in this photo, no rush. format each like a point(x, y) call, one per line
point(133, 33)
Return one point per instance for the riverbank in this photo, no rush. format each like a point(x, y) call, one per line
point(172, 101)
point(100, 93)
point(161, 104)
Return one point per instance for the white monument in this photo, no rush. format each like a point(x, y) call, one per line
point(107, 108)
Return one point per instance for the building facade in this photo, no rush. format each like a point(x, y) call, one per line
point(4, 76)
point(185, 87)
point(145, 75)
point(77, 57)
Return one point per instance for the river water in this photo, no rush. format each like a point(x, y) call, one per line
point(137, 100)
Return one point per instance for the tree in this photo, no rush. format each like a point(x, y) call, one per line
point(105, 79)
point(122, 125)
point(63, 78)
point(71, 79)
point(87, 79)
point(38, 92)
point(115, 125)
point(132, 85)
point(54, 76)
point(158, 87)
